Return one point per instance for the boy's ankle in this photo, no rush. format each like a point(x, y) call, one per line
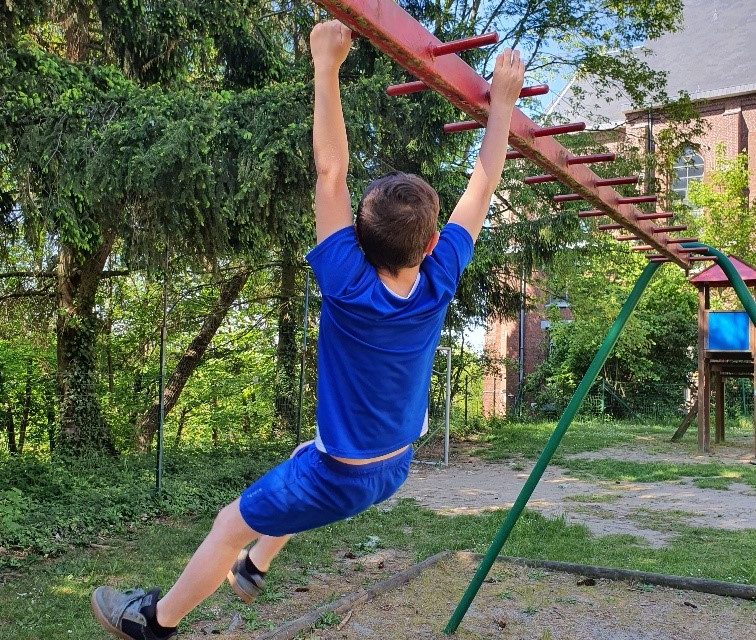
point(152, 615)
point(253, 568)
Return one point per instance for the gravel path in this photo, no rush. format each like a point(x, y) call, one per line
point(471, 485)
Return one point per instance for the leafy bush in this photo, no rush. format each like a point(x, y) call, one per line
point(50, 504)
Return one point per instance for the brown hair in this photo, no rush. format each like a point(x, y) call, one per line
point(396, 218)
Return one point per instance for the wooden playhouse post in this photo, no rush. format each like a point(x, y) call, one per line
point(704, 392)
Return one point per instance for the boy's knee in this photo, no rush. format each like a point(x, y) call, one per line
point(230, 525)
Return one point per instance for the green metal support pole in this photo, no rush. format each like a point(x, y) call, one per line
point(535, 475)
point(746, 299)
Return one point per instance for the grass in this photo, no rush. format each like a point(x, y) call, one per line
point(511, 439)
point(712, 475)
point(147, 542)
point(594, 498)
point(51, 601)
point(527, 439)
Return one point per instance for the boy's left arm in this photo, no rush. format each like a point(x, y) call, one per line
point(329, 45)
point(473, 206)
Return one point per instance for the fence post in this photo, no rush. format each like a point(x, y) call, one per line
point(467, 380)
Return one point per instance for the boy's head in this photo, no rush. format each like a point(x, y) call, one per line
point(397, 221)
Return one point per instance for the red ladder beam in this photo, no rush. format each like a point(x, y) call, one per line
point(466, 125)
point(591, 213)
point(610, 182)
point(596, 157)
point(572, 127)
point(392, 30)
point(679, 227)
point(539, 179)
point(416, 86)
point(568, 197)
point(654, 216)
point(465, 44)
point(636, 199)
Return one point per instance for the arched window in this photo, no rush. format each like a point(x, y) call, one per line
point(688, 167)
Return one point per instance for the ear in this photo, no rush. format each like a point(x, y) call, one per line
point(432, 243)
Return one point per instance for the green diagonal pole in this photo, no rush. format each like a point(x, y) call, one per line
point(733, 276)
point(548, 452)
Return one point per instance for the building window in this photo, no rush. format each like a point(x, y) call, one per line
point(689, 167)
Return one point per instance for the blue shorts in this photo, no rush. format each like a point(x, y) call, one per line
point(312, 489)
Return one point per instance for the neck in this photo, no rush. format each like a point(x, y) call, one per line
point(402, 282)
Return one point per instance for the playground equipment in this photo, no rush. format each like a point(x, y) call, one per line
point(726, 349)
point(436, 67)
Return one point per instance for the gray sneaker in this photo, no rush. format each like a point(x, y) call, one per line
point(121, 612)
point(245, 585)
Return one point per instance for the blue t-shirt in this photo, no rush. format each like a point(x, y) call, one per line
point(375, 348)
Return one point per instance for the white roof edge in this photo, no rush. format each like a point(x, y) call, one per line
point(561, 95)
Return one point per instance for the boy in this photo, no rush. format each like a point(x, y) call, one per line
point(386, 283)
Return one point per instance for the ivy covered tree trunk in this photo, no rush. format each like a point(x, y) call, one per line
point(230, 290)
point(26, 404)
point(286, 349)
point(6, 413)
point(82, 425)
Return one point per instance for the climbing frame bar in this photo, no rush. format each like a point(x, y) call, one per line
point(395, 32)
point(551, 446)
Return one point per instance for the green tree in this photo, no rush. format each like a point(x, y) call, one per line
point(126, 126)
point(727, 219)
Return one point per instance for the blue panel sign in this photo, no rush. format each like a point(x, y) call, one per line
point(728, 331)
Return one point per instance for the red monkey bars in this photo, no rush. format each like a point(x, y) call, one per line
point(434, 63)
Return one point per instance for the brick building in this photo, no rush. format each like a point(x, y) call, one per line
point(710, 59)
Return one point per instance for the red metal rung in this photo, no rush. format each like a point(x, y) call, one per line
point(686, 250)
point(464, 44)
point(466, 125)
point(610, 182)
point(642, 247)
point(557, 129)
point(514, 155)
point(406, 88)
point(539, 179)
point(609, 227)
point(678, 227)
point(658, 259)
point(596, 157)
point(654, 216)
point(535, 90)
point(591, 213)
point(625, 238)
point(568, 197)
point(700, 258)
point(636, 199)
point(680, 240)
point(416, 86)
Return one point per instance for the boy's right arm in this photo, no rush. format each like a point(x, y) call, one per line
point(473, 206)
point(329, 44)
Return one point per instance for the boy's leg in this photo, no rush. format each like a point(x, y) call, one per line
point(265, 549)
point(208, 567)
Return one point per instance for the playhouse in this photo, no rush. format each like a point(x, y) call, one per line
point(726, 349)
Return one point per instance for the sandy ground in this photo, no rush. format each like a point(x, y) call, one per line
point(470, 485)
point(517, 602)
point(529, 604)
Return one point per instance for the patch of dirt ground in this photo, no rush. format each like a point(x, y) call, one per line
point(520, 603)
point(471, 485)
